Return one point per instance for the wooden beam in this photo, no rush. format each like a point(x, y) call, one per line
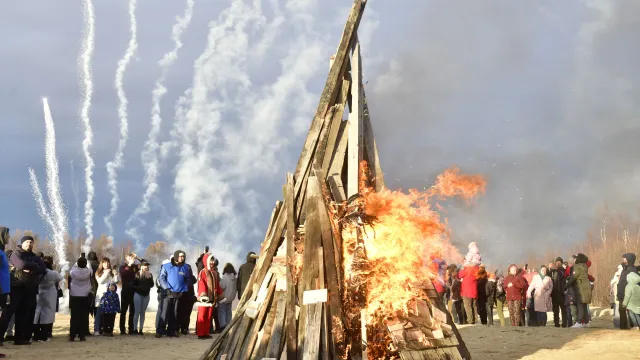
point(372, 148)
point(355, 149)
point(337, 163)
point(210, 352)
point(250, 342)
point(277, 334)
point(291, 323)
point(313, 325)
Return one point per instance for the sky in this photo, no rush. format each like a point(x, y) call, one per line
point(538, 96)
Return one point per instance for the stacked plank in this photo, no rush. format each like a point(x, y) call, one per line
point(298, 304)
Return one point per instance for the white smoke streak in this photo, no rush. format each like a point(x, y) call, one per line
point(200, 190)
point(87, 92)
point(76, 198)
point(150, 159)
point(113, 166)
point(42, 207)
point(58, 213)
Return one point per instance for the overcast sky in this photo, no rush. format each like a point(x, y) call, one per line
point(539, 96)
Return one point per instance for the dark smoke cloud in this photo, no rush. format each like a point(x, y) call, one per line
point(541, 97)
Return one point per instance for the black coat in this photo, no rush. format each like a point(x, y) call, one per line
point(631, 260)
point(26, 260)
point(557, 294)
point(490, 289)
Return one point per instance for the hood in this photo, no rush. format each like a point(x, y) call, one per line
point(231, 276)
point(4, 236)
point(92, 256)
point(631, 258)
point(499, 273)
point(166, 261)
point(633, 278)
point(205, 261)
point(581, 258)
point(513, 266)
point(250, 258)
point(112, 283)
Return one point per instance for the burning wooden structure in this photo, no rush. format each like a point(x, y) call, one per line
point(304, 299)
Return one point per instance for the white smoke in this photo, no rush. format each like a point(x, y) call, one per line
point(76, 198)
point(87, 92)
point(113, 166)
point(58, 213)
point(150, 152)
point(42, 207)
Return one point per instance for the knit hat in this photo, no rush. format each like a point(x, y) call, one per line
point(82, 262)
point(26, 238)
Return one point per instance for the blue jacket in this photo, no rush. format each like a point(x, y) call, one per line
point(175, 278)
point(5, 277)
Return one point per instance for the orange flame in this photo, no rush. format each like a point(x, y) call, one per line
point(407, 236)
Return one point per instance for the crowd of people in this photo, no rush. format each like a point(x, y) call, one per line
point(562, 288)
point(31, 289)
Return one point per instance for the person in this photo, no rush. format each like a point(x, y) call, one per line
point(215, 319)
point(501, 296)
point(5, 277)
point(5, 304)
point(199, 262)
point(628, 266)
point(490, 290)
point(244, 273)
point(109, 307)
point(529, 313)
point(540, 291)
point(557, 293)
point(456, 298)
point(93, 264)
point(142, 284)
point(631, 299)
point(27, 269)
point(127, 272)
point(515, 285)
point(209, 291)
point(570, 296)
point(46, 302)
point(186, 302)
point(228, 285)
point(482, 280)
point(161, 325)
point(580, 279)
point(469, 290)
point(79, 304)
point(613, 297)
point(104, 275)
point(524, 312)
point(174, 278)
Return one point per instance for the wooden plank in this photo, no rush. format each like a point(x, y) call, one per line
point(312, 240)
point(277, 334)
point(272, 219)
point(355, 150)
point(336, 188)
point(312, 326)
point(266, 257)
point(254, 334)
point(291, 323)
point(261, 348)
point(325, 335)
point(335, 148)
point(239, 337)
point(336, 126)
point(337, 163)
point(209, 354)
point(331, 88)
point(372, 149)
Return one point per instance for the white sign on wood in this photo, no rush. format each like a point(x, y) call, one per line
point(314, 296)
point(223, 357)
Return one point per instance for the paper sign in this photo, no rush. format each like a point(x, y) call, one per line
point(314, 296)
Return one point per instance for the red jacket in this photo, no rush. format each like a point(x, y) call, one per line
point(518, 285)
point(202, 282)
point(469, 277)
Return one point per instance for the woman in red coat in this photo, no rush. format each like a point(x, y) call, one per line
point(208, 291)
point(514, 285)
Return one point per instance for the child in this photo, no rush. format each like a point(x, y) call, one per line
point(109, 307)
point(632, 299)
point(473, 256)
point(490, 289)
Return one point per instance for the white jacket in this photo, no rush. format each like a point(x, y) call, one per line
point(80, 281)
point(228, 284)
point(103, 283)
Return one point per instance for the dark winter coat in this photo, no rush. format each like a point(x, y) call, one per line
point(501, 294)
point(518, 285)
point(580, 279)
point(26, 260)
point(244, 274)
point(142, 283)
point(626, 270)
point(110, 302)
point(456, 289)
point(482, 287)
point(92, 260)
point(557, 294)
point(127, 274)
point(490, 290)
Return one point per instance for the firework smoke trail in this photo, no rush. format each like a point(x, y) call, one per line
point(113, 166)
point(87, 92)
point(56, 204)
point(42, 207)
point(76, 198)
point(150, 152)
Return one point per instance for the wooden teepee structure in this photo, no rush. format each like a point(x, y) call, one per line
point(297, 305)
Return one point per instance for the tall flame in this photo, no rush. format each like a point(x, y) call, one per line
point(406, 237)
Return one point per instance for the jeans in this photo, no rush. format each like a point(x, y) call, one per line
point(489, 313)
point(470, 309)
point(635, 319)
point(500, 310)
point(224, 313)
point(541, 318)
point(126, 301)
point(624, 319)
point(140, 304)
point(458, 312)
point(572, 314)
point(97, 321)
